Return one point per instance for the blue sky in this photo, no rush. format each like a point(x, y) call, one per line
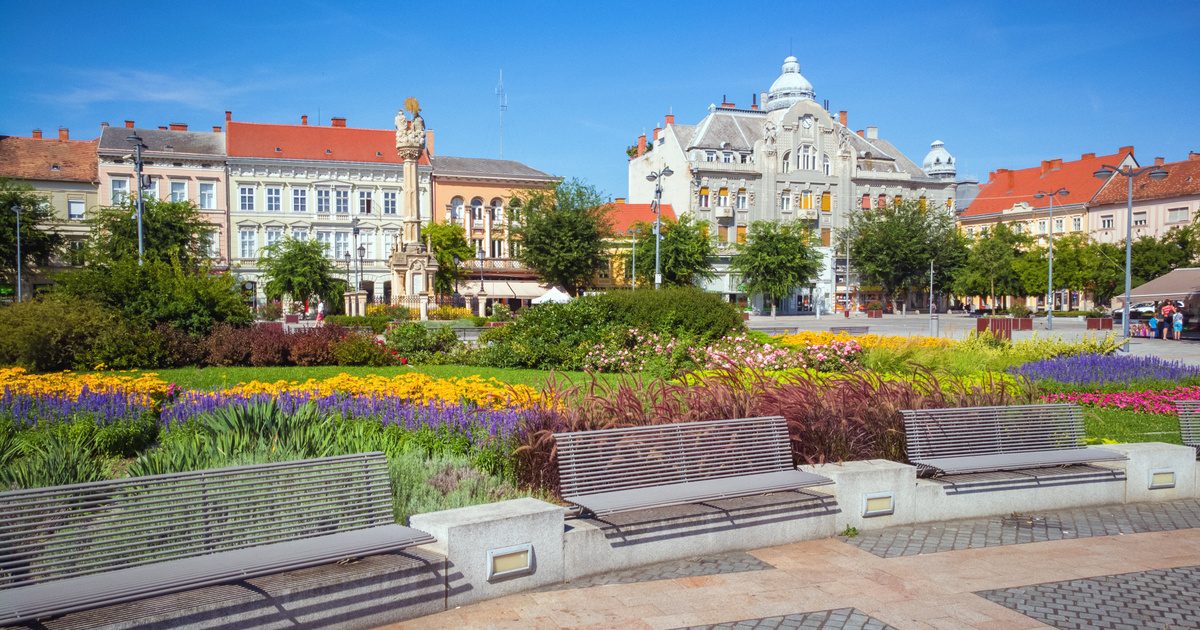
point(1004, 84)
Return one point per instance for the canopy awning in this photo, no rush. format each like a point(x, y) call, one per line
point(553, 296)
point(1180, 284)
point(504, 289)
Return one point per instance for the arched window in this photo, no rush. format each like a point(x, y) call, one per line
point(787, 161)
point(741, 198)
point(826, 166)
point(705, 198)
point(723, 197)
point(497, 211)
point(808, 158)
point(477, 209)
point(456, 210)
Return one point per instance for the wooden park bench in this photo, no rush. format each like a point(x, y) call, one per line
point(986, 439)
point(1189, 422)
point(621, 470)
point(776, 330)
point(66, 549)
point(850, 330)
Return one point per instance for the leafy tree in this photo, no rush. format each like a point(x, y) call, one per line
point(777, 258)
point(1153, 257)
point(893, 245)
point(299, 269)
point(991, 267)
point(684, 252)
point(448, 240)
point(38, 244)
point(171, 230)
point(1104, 275)
point(562, 232)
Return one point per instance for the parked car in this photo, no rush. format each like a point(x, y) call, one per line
point(1140, 310)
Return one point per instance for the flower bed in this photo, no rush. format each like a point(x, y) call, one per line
point(890, 342)
point(420, 388)
point(637, 351)
point(1147, 401)
point(146, 386)
point(1100, 369)
point(103, 408)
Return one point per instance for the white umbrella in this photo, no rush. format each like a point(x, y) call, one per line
point(554, 296)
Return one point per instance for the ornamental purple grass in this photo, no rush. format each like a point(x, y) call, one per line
point(102, 407)
point(1098, 369)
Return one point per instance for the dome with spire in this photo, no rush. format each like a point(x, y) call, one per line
point(790, 88)
point(938, 162)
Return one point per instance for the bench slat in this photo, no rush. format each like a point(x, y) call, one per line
point(1019, 461)
point(1189, 422)
point(708, 489)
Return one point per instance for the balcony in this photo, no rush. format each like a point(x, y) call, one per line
point(503, 264)
point(724, 212)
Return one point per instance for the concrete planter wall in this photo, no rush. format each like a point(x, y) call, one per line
point(875, 314)
point(1099, 323)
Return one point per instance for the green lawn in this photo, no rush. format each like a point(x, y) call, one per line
point(1130, 426)
point(217, 377)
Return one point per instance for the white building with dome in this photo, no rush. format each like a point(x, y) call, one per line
point(788, 160)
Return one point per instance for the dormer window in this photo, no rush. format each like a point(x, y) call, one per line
point(710, 156)
point(328, 151)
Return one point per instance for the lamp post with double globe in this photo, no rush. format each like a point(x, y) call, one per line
point(656, 206)
point(633, 248)
point(1128, 172)
point(142, 184)
point(17, 209)
point(1041, 194)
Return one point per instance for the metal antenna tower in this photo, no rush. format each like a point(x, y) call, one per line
point(502, 98)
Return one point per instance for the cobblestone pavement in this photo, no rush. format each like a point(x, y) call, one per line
point(1168, 598)
point(913, 540)
point(735, 562)
point(840, 619)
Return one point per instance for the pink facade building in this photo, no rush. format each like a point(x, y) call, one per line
point(1158, 204)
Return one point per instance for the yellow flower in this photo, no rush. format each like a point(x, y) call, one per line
point(488, 393)
point(67, 383)
point(888, 342)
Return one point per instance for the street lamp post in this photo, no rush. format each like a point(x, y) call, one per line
point(362, 255)
point(633, 248)
point(17, 209)
point(138, 145)
point(1128, 172)
point(346, 257)
point(656, 177)
point(1041, 194)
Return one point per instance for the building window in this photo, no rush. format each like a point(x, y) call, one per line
point(497, 211)
point(325, 238)
point(455, 210)
point(727, 157)
point(120, 191)
point(389, 241)
point(897, 200)
point(746, 158)
point(299, 200)
point(497, 248)
point(274, 199)
point(1042, 226)
point(710, 156)
point(785, 200)
point(826, 201)
point(299, 234)
point(741, 199)
point(723, 197)
point(323, 196)
point(179, 191)
point(214, 245)
point(249, 241)
point(881, 201)
point(75, 209)
point(1139, 219)
point(1076, 224)
point(1177, 215)
point(922, 202)
point(722, 233)
point(364, 202)
point(806, 200)
point(341, 201)
point(866, 202)
point(741, 234)
point(1106, 222)
point(787, 161)
point(971, 231)
point(274, 235)
point(152, 189)
point(704, 197)
point(366, 240)
point(389, 202)
point(826, 166)
point(477, 213)
point(1019, 228)
point(208, 196)
point(341, 245)
point(808, 158)
point(246, 198)
point(1058, 225)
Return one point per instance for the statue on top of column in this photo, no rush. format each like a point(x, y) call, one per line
point(410, 133)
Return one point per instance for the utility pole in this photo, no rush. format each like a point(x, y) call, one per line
point(141, 186)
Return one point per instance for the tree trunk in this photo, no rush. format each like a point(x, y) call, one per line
point(772, 308)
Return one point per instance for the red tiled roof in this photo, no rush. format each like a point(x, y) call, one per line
point(625, 215)
point(48, 159)
point(1183, 179)
point(1006, 188)
point(313, 142)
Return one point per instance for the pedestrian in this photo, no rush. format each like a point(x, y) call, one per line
point(321, 311)
point(1177, 323)
point(1153, 323)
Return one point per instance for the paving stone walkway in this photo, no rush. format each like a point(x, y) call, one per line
point(734, 562)
point(1016, 529)
point(840, 619)
point(1163, 599)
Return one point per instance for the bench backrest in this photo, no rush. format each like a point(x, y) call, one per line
point(966, 431)
point(850, 330)
point(606, 460)
point(65, 531)
point(1189, 421)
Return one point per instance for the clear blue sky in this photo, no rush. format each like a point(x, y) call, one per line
point(1004, 84)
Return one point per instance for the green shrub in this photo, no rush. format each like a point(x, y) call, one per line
point(53, 334)
point(422, 483)
point(675, 311)
point(501, 313)
point(1019, 310)
point(373, 323)
point(270, 311)
point(416, 342)
point(449, 313)
point(360, 349)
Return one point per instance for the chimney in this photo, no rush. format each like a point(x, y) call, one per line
point(1158, 161)
point(337, 122)
point(670, 120)
point(657, 130)
point(228, 115)
point(64, 133)
point(725, 102)
point(129, 124)
point(872, 132)
point(1056, 163)
point(754, 102)
point(860, 133)
point(1087, 156)
point(162, 127)
point(178, 126)
point(216, 128)
point(842, 116)
point(1128, 149)
point(1010, 178)
point(304, 119)
point(620, 201)
point(641, 150)
point(104, 125)
point(37, 134)
point(429, 141)
point(1193, 156)
point(1045, 166)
